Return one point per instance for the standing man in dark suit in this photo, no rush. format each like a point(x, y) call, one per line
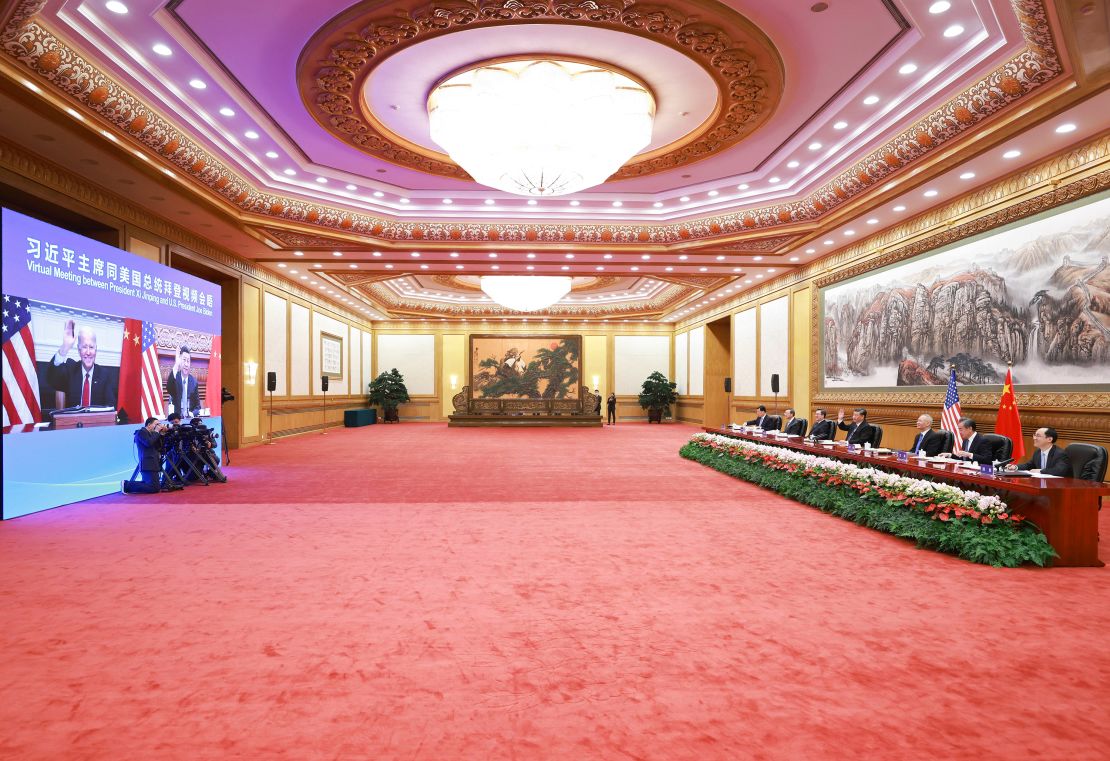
point(1049, 459)
point(972, 446)
point(85, 383)
point(927, 442)
point(823, 428)
point(860, 431)
point(182, 387)
point(791, 424)
point(762, 419)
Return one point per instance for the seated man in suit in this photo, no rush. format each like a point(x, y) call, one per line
point(1049, 459)
point(84, 383)
point(762, 419)
point(860, 431)
point(182, 387)
point(972, 446)
point(791, 424)
point(927, 442)
point(823, 428)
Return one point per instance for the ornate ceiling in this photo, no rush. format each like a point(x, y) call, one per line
point(783, 129)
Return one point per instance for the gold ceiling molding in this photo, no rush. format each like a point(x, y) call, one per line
point(52, 61)
point(333, 67)
point(19, 160)
point(591, 282)
point(760, 245)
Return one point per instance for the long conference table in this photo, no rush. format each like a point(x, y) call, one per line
point(1065, 509)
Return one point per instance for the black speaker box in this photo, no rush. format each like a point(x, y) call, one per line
point(323, 383)
point(728, 385)
point(271, 381)
point(774, 383)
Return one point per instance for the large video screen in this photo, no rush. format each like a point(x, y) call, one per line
point(96, 340)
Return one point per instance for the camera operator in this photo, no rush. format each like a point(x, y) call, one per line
point(205, 450)
point(149, 441)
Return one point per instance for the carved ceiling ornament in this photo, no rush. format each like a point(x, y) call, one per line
point(26, 40)
point(335, 64)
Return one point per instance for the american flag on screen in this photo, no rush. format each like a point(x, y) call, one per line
point(21, 384)
point(950, 418)
point(151, 401)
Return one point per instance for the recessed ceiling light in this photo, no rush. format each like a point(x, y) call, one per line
point(669, 269)
point(529, 267)
point(683, 257)
point(531, 256)
point(161, 49)
point(793, 258)
point(929, 193)
point(645, 257)
point(827, 242)
point(495, 266)
point(376, 253)
point(599, 269)
point(298, 253)
point(115, 6)
point(899, 208)
point(454, 254)
point(574, 203)
point(1011, 154)
point(758, 258)
point(774, 180)
point(389, 266)
point(489, 202)
point(684, 199)
point(352, 187)
point(492, 256)
point(337, 253)
point(617, 203)
point(322, 180)
point(271, 155)
point(908, 68)
point(871, 100)
point(459, 266)
point(565, 267)
point(954, 31)
point(448, 201)
point(289, 172)
point(378, 194)
point(712, 193)
point(748, 280)
point(657, 204)
point(281, 264)
point(759, 277)
point(771, 270)
point(744, 186)
point(840, 125)
point(607, 256)
point(568, 256)
point(404, 200)
point(703, 269)
point(792, 164)
point(197, 84)
point(849, 233)
point(872, 221)
point(720, 258)
point(317, 266)
point(1063, 129)
point(250, 134)
point(415, 254)
point(811, 251)
point(353, 266)
point(423, 266)
point(939, 7)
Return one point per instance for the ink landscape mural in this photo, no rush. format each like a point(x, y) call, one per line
point(524, 367)
point(1037, 295)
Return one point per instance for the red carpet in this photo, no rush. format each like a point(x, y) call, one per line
point(414, 592)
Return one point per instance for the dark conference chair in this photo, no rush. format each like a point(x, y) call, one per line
point(805, 425)
point(877, 436)
point(949, 441)
point(1003, 447)
point(1088, 461)
point(776, 423)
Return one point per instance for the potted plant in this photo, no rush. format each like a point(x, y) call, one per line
point(388, 392)
point(657, 395)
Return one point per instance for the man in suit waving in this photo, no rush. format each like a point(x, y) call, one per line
point(927, 442)
point(182, 386)
point(860, 431)
point(84, 382)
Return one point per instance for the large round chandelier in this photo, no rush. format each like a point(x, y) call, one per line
point(525, 293)
point(541, 127)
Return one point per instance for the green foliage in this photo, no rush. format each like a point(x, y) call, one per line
point(995, 544)
point(388, 390)
point(657, 392)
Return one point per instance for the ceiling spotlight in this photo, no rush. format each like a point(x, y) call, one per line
point(645, 257)
point(744, 186)
point(289, 172)
point(712, 193)
point(378, 194)
point(703, 269)
point(322, 180)
point(1063, 129)
point(775, 180)
point(683, 257)
point(161, 49)
point(389, 266)
point(459, 266)
point(617, 203)
point(939, 7)
point(599, 269)
point(607, 256)
point(720, 258)
point(658, 204)
point(758, 258)
point(531, 256)
point(337, 253)
point(1011, 154)
point(404, 200)
point(929, 193)
point(684, 199)
point(448, 201)
point(814, 146)
point(792, 164)
point(250, 134)
point(281, 264)
point(899, 208)
point(225, 111)
point(454, 254)
point(849, 233)
point(871, 100)
point(352, 187)
point(811, 251)
point(669, 269)
point(115, 6)
point(353, 266)
point(954, 31)
point(197, 84)
point(840, 125)
point(489, 202)
point(828, 242)
point(908, 68)
point(415, 254)
point(271, 155)
point(568, 256)
point(575, 203)
point(492, 256)
point(793, 258)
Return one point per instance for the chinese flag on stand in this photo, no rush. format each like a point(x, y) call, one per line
point(1009, 422)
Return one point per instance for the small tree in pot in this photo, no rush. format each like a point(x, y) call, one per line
point(388, 392)
point(656, 395)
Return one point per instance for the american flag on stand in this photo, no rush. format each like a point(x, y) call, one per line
point(152, 379)
point(21, 384)
point(950, 418)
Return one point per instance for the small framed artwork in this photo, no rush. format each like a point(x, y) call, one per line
point(331, 355)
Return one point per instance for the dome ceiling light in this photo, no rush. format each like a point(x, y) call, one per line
point(541, 127)
point(524, 293)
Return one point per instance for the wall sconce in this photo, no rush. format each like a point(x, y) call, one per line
point(250, 372)
point(596, 379)
point(454, 382)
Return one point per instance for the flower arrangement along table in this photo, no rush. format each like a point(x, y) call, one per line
point(939, 516)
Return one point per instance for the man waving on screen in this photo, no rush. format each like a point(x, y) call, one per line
point(85, 383)
point(182, 386)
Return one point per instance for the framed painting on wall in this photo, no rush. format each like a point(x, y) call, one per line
point(331, 355)
point(1034, 294)
point(525, 367)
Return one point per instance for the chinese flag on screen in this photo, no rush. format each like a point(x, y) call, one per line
point(130, 372)
point(215, 380)
point(1009, 422)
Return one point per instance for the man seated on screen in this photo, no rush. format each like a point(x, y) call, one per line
point(762, 419)
point(927, 442)
point(823, 428)
point(1049, 459)
point(860, 431)
point(84, 382)
point(182, 387)
point(971, 446)
point(790, 423)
